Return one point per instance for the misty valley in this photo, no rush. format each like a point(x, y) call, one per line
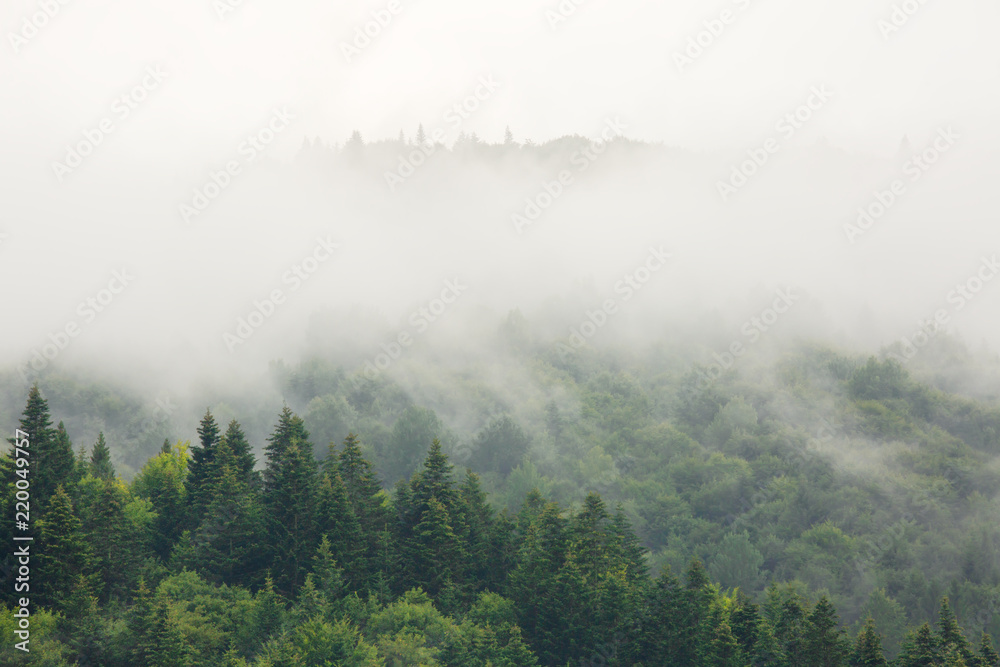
point(534, 333)
point(510, 500)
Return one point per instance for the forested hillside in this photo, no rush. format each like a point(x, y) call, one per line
point(611, 507)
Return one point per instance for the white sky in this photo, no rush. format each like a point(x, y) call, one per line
point(610, 58)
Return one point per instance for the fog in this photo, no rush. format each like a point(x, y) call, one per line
point(218, 173)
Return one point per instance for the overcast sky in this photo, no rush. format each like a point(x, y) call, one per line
point(607, 57)
point(208, 73)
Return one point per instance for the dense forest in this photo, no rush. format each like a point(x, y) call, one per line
point(626, 509)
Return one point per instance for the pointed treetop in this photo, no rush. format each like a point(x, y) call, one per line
point(208, 430)
point(100, 460)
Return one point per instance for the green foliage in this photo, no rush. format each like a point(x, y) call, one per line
point(500, 446)
point(888, 505)
point(100, 460)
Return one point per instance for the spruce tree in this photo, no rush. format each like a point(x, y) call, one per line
point(789, 613)
point(724, 650)
point(50, 462)
point(590, 537)
point(950, 635)
point(627, 550)
point(111, 542)
point(202, 469)
point(100, 460)
point(987, 655)
point(437, 554)
point(919, 649)
point(242, 453)
point(227, 546)
point(663, 633)
point(868, 648)
point(361, 483)
point(476, 523)
point(63, 555)
point(62, 462)
point(336, 521)
point(155, 640)
point(825, 643)
point(290, 493)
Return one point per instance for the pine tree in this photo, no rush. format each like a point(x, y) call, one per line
point(140, 626)
point(239, 448)
point(227, 546)
point(627, 550)
point(434, 481)
point(62, 460)
point(156, 641)
point(81, 466)
point(337, 522)
point(421, 135)
point(590, 537)
point(111, 543)
point(169, 649)
point(82, 624)
point(663, 634)
point(530, 586)
point(50, 463)
point(825, 643)
point(100, 460)
point(290, 492)
point(476, 519)
point(868, 648)
point(919, 649)
point(789, 620)
point(724, 650)
point(987, 655)
point(363, 488)
point(63, 555)
point(950, 635)
point(290, 428)
point(436, 553)
point(695, 617)
point(327, 575)
point(508, 137)
point(202, 469)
